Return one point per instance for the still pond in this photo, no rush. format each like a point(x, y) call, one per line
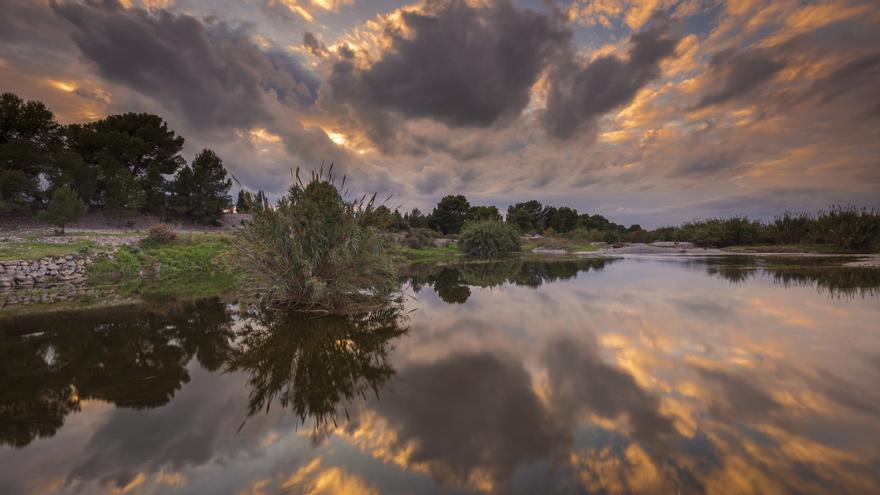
point(634, 375)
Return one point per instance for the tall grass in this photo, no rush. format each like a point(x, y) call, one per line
point(315, 251)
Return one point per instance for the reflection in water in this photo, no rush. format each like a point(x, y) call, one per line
point(646, 376)
point(825, 274)
point(452, 282)
point(312, 364)
point(132, 358)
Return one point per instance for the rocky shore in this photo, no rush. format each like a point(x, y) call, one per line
point(45, 272)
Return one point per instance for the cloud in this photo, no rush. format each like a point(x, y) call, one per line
point(578, 95)
point(497, 425)
point(214, 75)
point(580, 381)
point(736, 73)
point(452, 62)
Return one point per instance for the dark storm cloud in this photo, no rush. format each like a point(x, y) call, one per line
point(739, 72)
point(458, 64)
point(579, 380)
point(472, 411)
point(214, 75)
point(579, 95)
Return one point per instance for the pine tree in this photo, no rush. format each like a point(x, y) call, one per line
point(64, 207)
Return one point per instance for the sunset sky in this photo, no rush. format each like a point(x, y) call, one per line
point(653, 111)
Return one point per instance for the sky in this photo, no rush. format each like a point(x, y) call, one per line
point(652, 112)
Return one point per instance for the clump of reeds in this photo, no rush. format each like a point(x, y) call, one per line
point(315, 251)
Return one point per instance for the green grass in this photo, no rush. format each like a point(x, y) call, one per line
point(33, 250)
point(430, 254)
point(556, 242)
point(194, 265)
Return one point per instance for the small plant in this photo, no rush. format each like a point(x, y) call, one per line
point(64, 207)
point(611, 237)
point(161, 234)
point(489, 239)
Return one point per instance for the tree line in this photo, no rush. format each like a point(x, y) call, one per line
point(122, 163)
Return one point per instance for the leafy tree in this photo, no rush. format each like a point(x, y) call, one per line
point(123, 192)
point(450, 214)
point(68, 168)
point(64, 207)
point(379, 218)
point(140, 143)
point(28, 134)
point(527, 216)
point(478, 213)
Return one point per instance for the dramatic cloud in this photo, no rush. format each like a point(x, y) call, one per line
point(579, 95)
point(460, 64)
point(739, 72)
point(216, 75)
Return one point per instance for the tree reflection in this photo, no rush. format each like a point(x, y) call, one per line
point(132, 357)
point(452, 283)
point(825, 274)
point(314, 364)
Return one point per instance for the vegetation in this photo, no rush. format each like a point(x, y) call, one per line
point(161, 234)
point(119, 163)
point(450, 214)
point(64, 208)
point(314, 252)
point(489, 239)
point(418, 238)
point(33, 250)
point(194, 265)
point(847, 228)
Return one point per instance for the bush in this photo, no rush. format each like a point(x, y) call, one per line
point(792, 228)
point(611, 237)
point(419, 238)
point(312, 252)
point(489, 239)
point(161, 234)
point(849, 227)
point(65, 207)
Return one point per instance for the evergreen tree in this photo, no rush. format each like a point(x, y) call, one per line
point(28, 135)
point(124, 194)
point(64, 207)
point(244, 202)
point(202, 189)
point(450, 214)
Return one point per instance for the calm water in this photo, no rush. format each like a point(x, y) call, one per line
point(637, 375)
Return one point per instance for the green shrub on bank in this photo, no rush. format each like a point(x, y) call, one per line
point(65, 207)
point(313, 252)
point(489, 239)
point(419, 238)
point(849, 227)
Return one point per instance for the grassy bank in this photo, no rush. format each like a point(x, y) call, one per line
point(193, 265)
point(34, 250)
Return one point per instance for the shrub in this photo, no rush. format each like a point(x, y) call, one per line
point(161, 234)
point(64, 207)
point(611, 237)
point(792, 228)
point(312, 252)
point(849, 227)
point(419, 238)
point(488, 239)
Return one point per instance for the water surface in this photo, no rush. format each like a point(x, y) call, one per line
point(637, 375)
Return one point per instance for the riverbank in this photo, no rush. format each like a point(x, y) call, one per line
point(88, 267)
